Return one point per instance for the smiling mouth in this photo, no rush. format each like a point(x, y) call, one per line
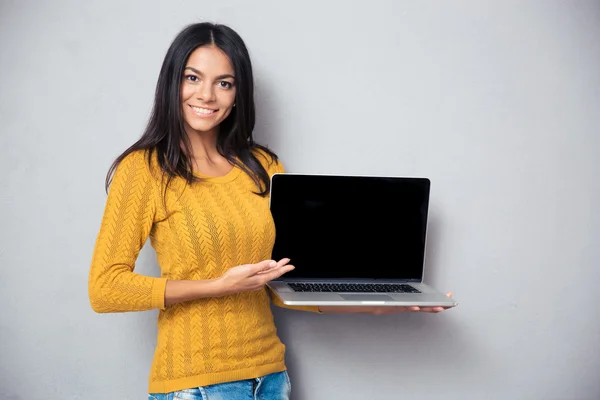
point(203, 111)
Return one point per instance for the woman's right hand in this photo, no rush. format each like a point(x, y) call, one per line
point(250, 277)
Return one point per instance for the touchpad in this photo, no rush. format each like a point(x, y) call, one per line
point(366, 297)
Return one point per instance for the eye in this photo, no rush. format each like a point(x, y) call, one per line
point(192, 78)
point(225, 84)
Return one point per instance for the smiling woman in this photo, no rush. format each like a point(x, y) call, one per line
point(196, 183)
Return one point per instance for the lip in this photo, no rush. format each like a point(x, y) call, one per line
point(203, 115)
point(208, 108)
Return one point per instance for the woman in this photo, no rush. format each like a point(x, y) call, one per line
point(197, 184)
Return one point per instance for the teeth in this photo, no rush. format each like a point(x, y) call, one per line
point(202, 110)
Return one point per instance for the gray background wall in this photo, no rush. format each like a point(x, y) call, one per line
point(498, 103)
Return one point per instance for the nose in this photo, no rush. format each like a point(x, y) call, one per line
point(205, 92)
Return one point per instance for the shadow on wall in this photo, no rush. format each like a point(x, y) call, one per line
point(266, 131)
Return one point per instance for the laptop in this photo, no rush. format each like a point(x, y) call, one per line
point(354, 240)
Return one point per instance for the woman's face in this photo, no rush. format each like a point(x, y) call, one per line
point(208, 89)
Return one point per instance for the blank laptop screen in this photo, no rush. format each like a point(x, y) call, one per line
point(350, 226)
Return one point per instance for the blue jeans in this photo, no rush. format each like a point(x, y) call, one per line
point(270, 387)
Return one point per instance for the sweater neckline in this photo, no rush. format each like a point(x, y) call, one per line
point(228, 177)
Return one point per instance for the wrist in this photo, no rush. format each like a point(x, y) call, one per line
point(218, 287)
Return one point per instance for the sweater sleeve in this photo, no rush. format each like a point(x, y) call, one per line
point(126, 224)
point(277, 167)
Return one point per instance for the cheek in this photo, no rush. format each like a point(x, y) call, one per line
point(229, 99)
point(186, 93)
point(227, 113)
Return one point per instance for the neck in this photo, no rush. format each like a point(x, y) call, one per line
point(203, 144)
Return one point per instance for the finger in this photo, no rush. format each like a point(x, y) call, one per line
point(280, 264)
point(276, 273)
point(432, 309)
point(386, 310)
point(449, 294)
point(283, 262)
point(262, 267)
point(414, 308)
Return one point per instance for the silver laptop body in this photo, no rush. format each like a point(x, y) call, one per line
point(354, 240)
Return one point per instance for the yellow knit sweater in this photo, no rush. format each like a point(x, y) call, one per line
point(205, 229)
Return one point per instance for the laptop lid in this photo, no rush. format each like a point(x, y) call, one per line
point(350, 227)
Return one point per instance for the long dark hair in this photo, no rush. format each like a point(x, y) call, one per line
point(165, 131)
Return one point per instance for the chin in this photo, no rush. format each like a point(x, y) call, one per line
point(202, 126)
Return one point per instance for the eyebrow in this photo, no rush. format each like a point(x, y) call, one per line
point(218, 77)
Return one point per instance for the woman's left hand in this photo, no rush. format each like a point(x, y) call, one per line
point(382, 310)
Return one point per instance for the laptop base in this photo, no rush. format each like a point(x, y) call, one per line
point(428, 297)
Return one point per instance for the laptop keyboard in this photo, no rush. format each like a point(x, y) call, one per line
point(353, 287)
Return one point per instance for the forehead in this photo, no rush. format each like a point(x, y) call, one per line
point(210, 60)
